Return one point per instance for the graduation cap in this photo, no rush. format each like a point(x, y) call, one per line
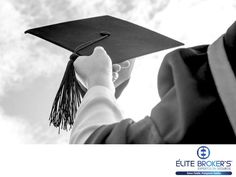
point(121, 39)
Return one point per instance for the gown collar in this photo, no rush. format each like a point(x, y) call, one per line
point(224, 78)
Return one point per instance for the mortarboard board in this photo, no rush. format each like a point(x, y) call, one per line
point(121, 39)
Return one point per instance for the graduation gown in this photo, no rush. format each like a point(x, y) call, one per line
point(190, 111)
point(198, 97)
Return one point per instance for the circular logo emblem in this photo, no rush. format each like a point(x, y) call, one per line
point(203, 152)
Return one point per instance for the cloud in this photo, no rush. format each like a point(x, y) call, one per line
point(17, 130)
point(13, 130)
point(22, 56)
point(23, 59)
point(199, 21)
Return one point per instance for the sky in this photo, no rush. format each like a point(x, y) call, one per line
point(31, 69)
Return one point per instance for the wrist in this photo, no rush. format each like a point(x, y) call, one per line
point(102, 82)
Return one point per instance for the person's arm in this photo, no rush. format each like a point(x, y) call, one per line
point(99, 105)
point(98, 108)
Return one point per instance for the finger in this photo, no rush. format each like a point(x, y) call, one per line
point(116, 68)
point(125, 64)
point(115, 76)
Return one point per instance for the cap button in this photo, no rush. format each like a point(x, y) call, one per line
point(105, 33)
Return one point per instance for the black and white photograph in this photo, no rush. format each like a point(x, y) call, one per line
point(157, 72)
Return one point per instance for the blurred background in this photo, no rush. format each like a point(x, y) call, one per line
point(31, 69)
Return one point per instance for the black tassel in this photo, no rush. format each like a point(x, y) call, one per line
point(67, 100)
point(70, 92)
